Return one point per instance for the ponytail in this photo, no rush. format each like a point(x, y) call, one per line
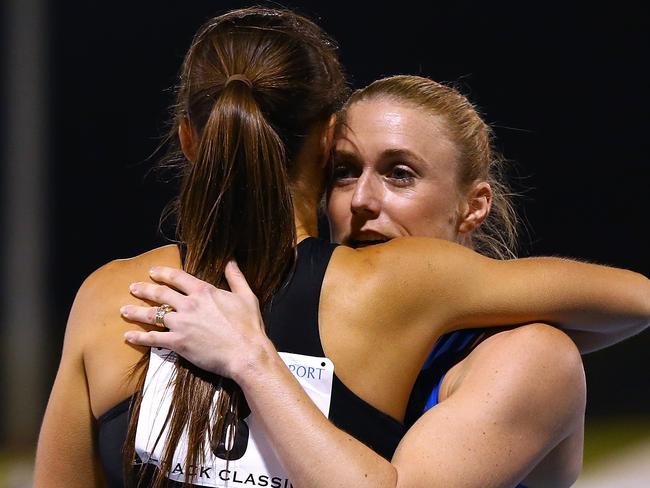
point(253, 84)
point(235, 201)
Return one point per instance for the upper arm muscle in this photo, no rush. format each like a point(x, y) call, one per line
point(513, 406)
point(427, 281)
point(66, 453)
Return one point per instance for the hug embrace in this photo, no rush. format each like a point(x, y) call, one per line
point(414, 350)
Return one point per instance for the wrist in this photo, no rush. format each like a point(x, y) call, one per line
point(258, 358)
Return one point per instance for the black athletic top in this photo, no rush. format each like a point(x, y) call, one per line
point(291, 320)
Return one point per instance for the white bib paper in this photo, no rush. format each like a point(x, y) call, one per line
point(258, 466)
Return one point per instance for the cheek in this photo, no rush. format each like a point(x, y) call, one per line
point(338, 212)
point(429, 216)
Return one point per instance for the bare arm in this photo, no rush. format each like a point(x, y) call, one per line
point(499, 421)
point(590, 341)
point(66, 454)
point(416, 279)
point(313, 451)
point(523, 394)
point(95, 372)
point(490, 433)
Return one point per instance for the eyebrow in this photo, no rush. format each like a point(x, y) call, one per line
point(343, 153)
point(393, 152)
point(402, 153)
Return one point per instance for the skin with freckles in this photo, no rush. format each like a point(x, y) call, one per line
point(394, 174)
point(380, 306)
point(390, 177)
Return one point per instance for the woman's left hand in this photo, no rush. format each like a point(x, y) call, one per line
point(219, 331)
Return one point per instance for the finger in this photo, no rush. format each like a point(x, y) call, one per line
point(146, 315)
point(236, 279)
point(151, 339)
point(158, 294)
point(179, 279)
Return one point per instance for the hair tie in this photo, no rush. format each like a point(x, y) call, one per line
point(242, 78)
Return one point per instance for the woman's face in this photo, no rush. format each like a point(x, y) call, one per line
point(394, 174)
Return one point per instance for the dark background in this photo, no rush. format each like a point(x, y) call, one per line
point(564, 85)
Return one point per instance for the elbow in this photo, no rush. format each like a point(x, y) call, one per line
point(642, 318)
point(644, 305)
point(645, 300)
point(644, 323)
point(573, 472)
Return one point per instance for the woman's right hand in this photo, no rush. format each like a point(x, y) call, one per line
point(217, 330)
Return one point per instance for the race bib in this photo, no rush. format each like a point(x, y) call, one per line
point(251, 460)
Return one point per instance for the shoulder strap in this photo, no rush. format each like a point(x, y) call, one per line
point(291, 318)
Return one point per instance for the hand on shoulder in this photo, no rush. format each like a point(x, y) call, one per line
point(97, 328)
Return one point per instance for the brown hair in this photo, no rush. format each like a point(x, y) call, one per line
point(253, 84)
point(497, 236)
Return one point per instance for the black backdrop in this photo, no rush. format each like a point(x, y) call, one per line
point(564, 85)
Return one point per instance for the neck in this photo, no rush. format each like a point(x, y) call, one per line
point(308, 186)
point(306, 218)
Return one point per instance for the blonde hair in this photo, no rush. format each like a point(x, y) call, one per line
point(478, 161)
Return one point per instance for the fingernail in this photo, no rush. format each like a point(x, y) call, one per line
point(153, 271)
point(133, 286)
point(124, 310)
point(128, 336)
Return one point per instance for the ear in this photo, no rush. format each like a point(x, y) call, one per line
point(327, 139)
point(187, 137)
point(476, 208)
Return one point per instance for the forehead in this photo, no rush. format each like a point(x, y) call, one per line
point(377, 125)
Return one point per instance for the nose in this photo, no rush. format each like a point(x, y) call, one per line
point(366, 200)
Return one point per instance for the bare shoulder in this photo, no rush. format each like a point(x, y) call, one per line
point(374, 312)
point(371, 287)
point(515, 405)
point(110, 282)
point(396, 254)
point(107, 286)
point(417, 281)
point(134, 266)
point(399, 288)
point(530, 378)
point(531, 359)
point(398, 267)
point(97, 327)
point(535, 343)
point(546, 378)
point(94, 371)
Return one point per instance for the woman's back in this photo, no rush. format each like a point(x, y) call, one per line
point(351, 333)
point(372, 315)
point(107, 358)
point(108, 361)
